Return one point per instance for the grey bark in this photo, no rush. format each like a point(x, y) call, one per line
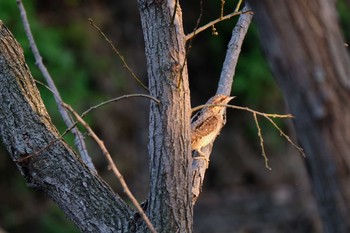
point(46, 163)
point(305, 49)
point(78, 137)
point(199, 166)
point(233, 51)
point(169, 203)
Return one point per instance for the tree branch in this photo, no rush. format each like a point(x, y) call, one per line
point(268, 116)
point(79, 139)
point(25, 127)
point(212, 23)
point(112, 166)
point(233, 51)
point(122, 59)
point(117, 99)
point(199, 166)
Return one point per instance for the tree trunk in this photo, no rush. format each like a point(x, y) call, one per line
point(170, 198)
point(306, 52)
point(43, 158)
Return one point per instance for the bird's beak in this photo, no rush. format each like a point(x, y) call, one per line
point(230, 98)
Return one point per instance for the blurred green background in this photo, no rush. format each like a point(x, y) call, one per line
point(240, 194)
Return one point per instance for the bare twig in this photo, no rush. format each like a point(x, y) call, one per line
point(233, 51)
point(225, 83)
point(189, 45)
point(79, 139)
point(286, 136)
point(119, 98)
point(222, 6)
point(243, 108)
point(46, 86)
point(100, 104)
point(37, 152)
point(113, 167)
point(261, 142)
point(105, 103)
point(208, 25)
point(126, 66)
point(268, 117)
point(271, 115)
point(74, 124)
point(238, 5)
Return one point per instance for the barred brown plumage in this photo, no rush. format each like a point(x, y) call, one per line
point(207, 124)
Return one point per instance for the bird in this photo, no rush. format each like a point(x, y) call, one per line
point(206, 125)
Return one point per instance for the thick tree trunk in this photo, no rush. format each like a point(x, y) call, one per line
point(45, 161)
point(304, 46)
point(170, 199)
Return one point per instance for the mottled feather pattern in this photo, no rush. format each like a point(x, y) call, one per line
point(206, 125)
point(205, 132)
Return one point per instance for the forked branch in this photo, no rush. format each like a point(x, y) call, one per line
point(79, 139)
point(112, 166)
point(25, 127)
point(212, 23)
point(127, 67)
point(268, 116)
point(224, 86)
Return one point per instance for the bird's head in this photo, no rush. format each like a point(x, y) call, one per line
point(219, 100)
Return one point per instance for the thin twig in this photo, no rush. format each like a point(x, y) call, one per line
point(74, 124)
point(37, 152)
point(245, 109)
point(261, 142)
point(46, 86)
point(238, 5)
point(189, 45)
point(208, 25)
point(286, 136)
point(119, 55)
point(272, 115)
point(105, 103)
point(119, 98)
point(268, 116)
point(113, 167)
point(79, 139)
point(222, 6)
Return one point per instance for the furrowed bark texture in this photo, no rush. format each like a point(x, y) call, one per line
point(303, 43)
point(26, 131)
point(169, 204)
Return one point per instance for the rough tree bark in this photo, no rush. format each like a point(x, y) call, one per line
point(46, 163)
point(169, 132)
point(303, 43)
